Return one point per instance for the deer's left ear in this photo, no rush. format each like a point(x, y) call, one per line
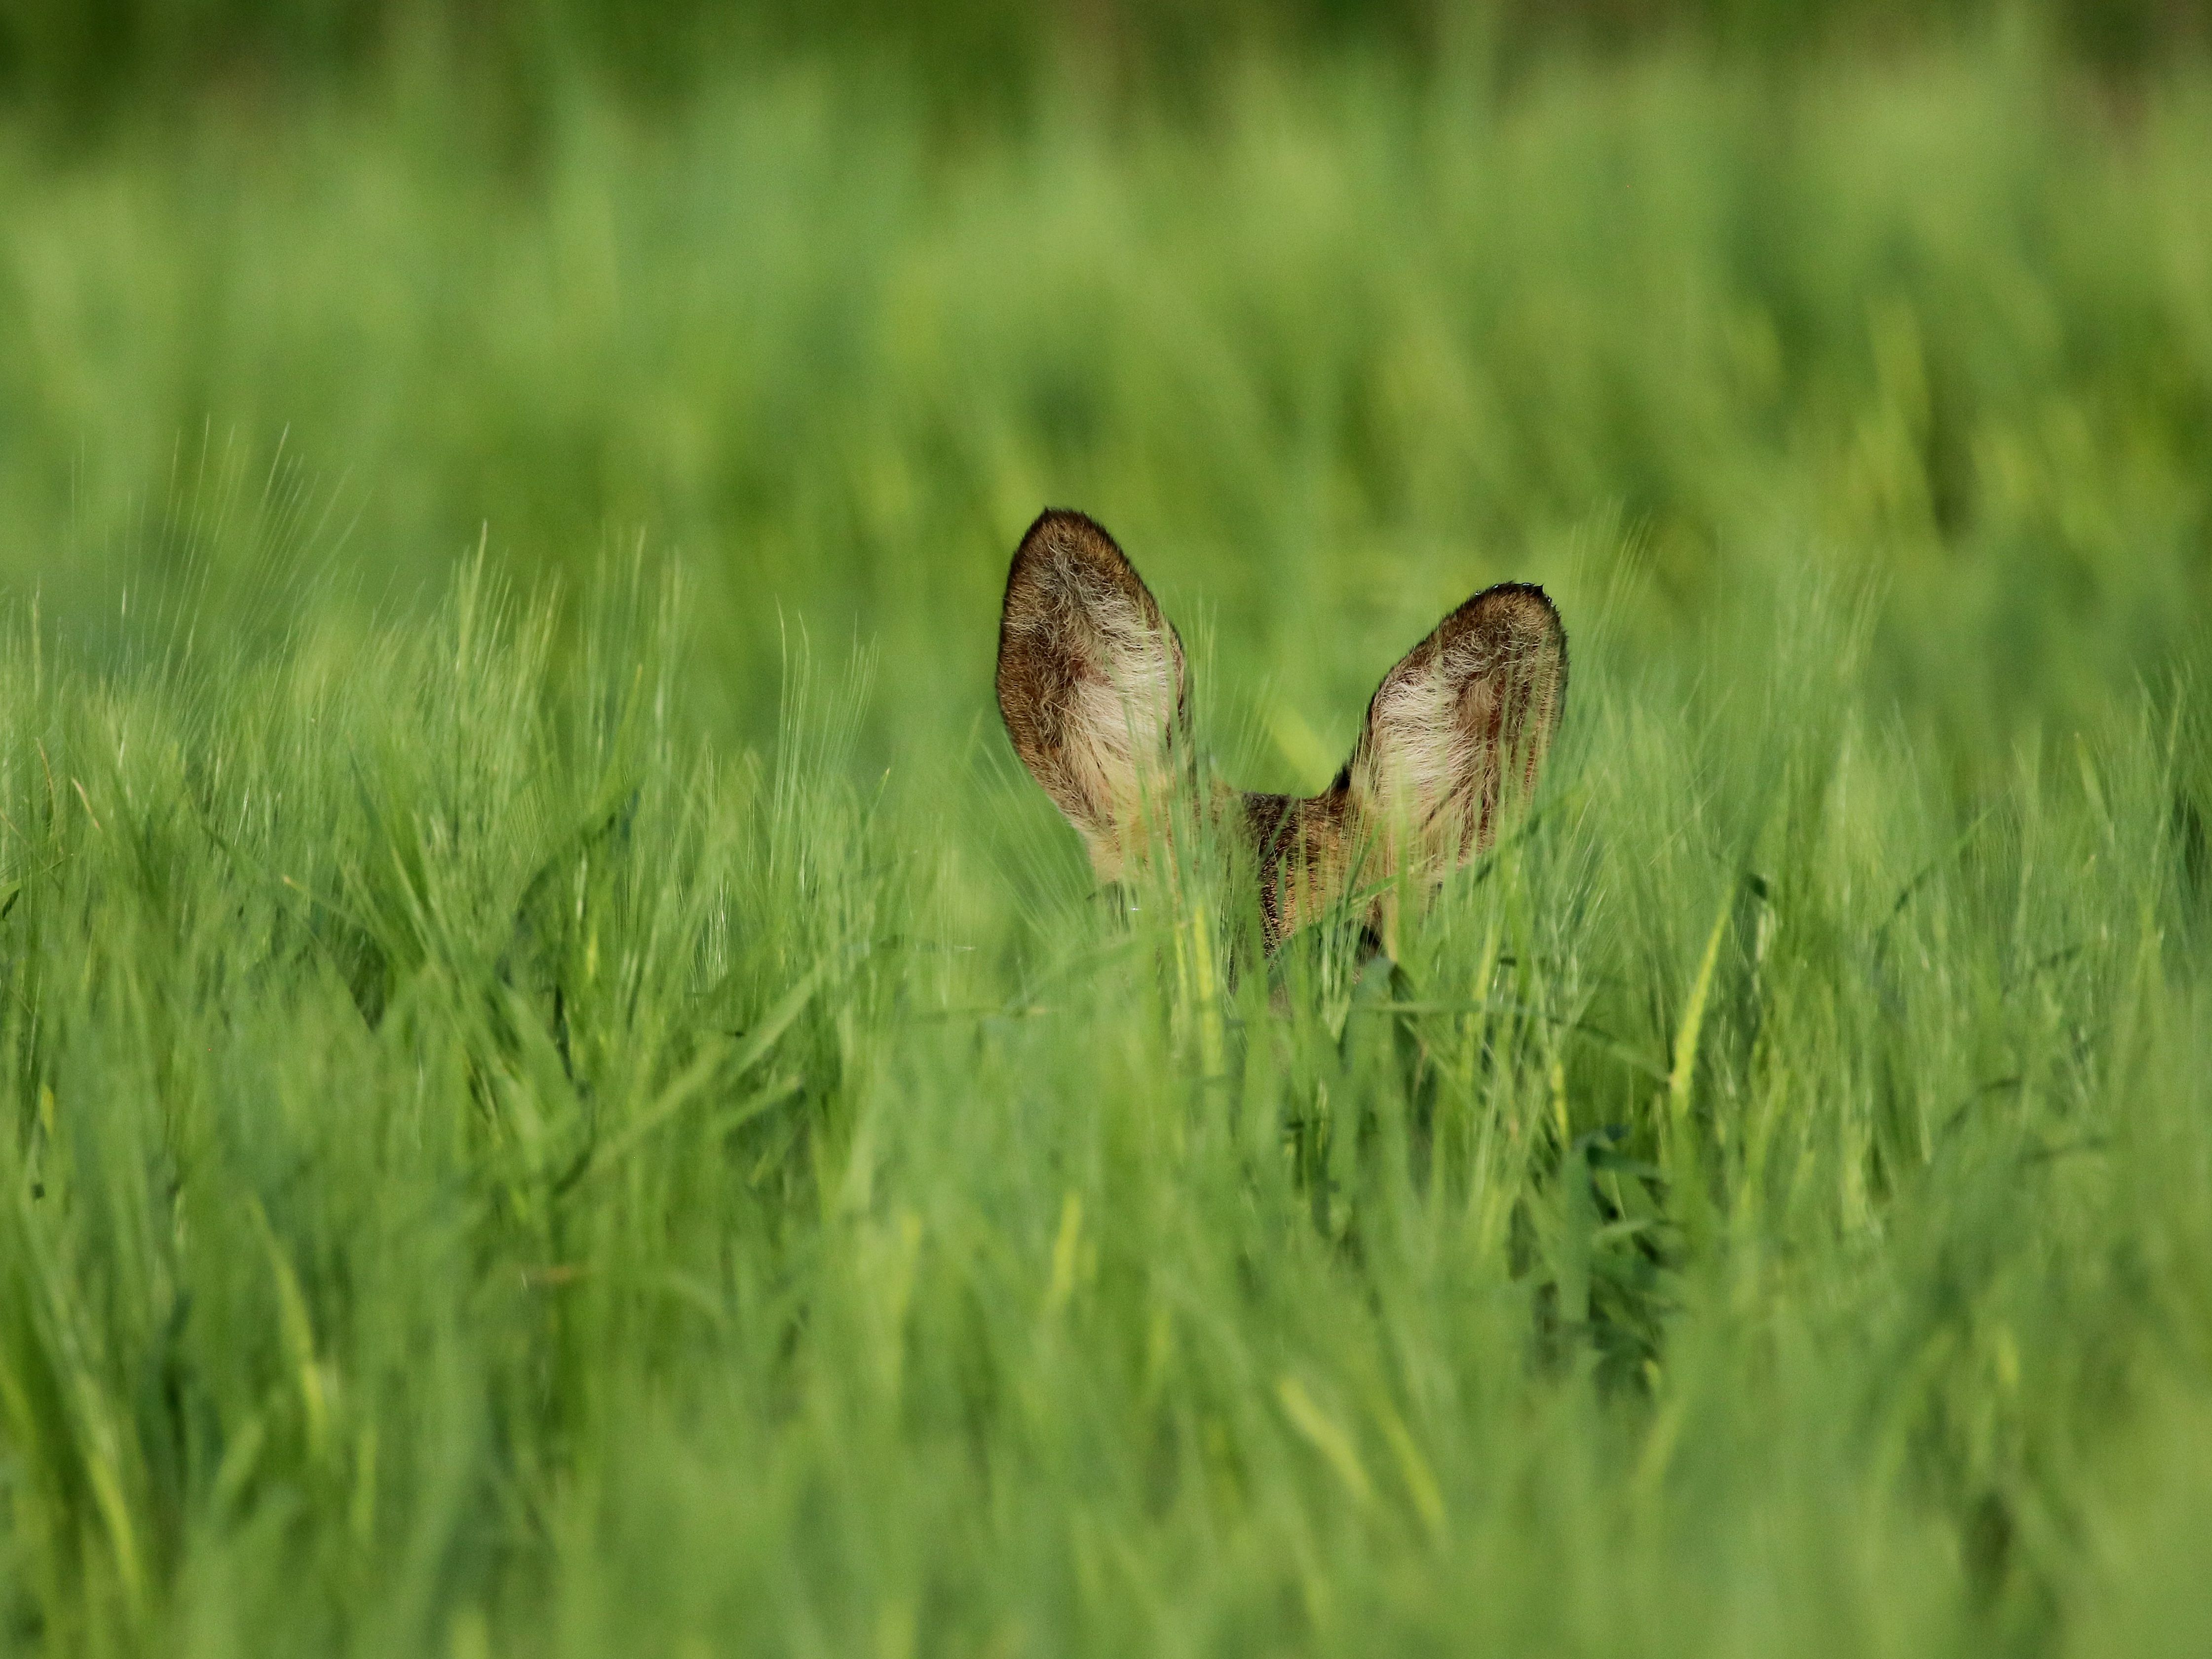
point(1091, 682)
point(1458, 731)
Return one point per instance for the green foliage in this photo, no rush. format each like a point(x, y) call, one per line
point(90, 62)
point(543, 1109)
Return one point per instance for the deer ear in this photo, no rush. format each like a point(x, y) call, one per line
point(1460, 729)
point(1091, 681)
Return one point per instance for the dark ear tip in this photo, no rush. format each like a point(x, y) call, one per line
point(1061, 533)
point(1517, 596)
point(1063, 515)
point(1521, 610)
point(1065, 522)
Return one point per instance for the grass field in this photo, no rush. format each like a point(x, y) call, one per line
point(564, 1094)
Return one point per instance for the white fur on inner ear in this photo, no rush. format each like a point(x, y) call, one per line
point(1091, 681)
point(1463, 722)
point(1123, 699)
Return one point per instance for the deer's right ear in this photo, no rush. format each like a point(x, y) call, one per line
point(1091, 681)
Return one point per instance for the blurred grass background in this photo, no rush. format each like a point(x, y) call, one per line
point(565, 1093)
point(1347, 320)
point(88, 58)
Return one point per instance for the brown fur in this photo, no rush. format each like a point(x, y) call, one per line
point(1093, 687)
point(1091, 681)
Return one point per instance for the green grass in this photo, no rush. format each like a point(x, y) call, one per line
point(573, 1099)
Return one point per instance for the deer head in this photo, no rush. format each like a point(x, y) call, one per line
point(1094, 690)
